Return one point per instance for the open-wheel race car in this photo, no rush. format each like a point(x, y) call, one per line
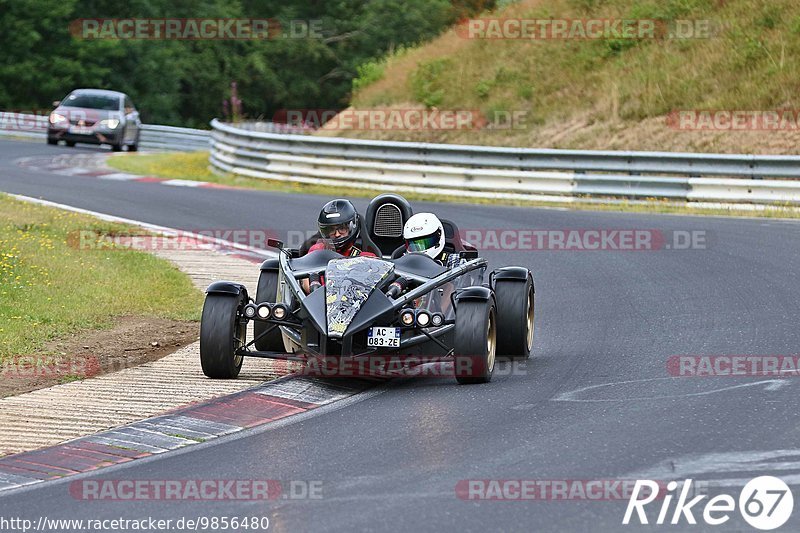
point(459, 314)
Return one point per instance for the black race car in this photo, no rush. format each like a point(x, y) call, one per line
point(459, 315)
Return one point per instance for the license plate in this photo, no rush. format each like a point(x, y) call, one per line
point(79, 130)
point(383, 337)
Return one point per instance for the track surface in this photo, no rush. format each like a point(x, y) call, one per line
point(392, 461)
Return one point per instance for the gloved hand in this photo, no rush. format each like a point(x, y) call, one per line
point(396, 288)
point(314, 283)
point(394, 291)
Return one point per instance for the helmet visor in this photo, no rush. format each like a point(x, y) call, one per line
point(336, 231)
point(422, 243)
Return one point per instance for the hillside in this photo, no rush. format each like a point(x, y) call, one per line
point(606, 93)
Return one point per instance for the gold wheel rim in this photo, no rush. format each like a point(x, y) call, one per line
point(530, 322)
point(491, 343)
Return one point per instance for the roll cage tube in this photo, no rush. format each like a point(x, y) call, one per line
point(433, 283)
point(291, 281)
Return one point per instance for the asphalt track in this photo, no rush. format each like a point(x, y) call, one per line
point(393, 460)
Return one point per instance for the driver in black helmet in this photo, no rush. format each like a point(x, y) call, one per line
point(339, 226)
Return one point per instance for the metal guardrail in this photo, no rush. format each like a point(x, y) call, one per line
point(461, 170)
point(170, 138)
point(153, 137)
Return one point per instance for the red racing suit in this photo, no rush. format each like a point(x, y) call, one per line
point(352, 251)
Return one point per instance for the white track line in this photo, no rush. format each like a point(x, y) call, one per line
point(163, 230)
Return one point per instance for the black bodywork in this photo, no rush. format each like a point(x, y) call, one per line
point(336, 320)
point(333, 320)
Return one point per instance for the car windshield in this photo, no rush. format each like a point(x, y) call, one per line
point(92, 101)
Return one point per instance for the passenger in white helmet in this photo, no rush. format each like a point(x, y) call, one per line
point(424, 234)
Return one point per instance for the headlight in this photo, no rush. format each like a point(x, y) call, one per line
point(407, 318)
point(264, 310)
point(279, 312)
point(437, 319)
point(55, 118)
point(423, 318)
point(110, 123)
point(250, 310)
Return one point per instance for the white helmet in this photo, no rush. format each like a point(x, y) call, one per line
point(424, 233)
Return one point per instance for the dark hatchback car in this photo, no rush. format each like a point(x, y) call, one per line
point(95, 116)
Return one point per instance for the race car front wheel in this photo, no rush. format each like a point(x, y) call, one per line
point(515, 317)
point(475, 343)
point(222, 332)
point(267, 292)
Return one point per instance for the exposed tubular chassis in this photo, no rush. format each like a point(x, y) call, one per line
point(299, 295)
point(467, 317)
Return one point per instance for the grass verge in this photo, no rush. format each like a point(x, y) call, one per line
point(49, 288)
point(194, 166)
point(607, 93)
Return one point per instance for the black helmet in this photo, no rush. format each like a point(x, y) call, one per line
point(339, 223)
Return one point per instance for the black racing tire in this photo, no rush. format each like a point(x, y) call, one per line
point(515, 318)
point(475, 343)
point(70, 143)
point(116, 147)
point(51, 140)
point(221, 333)
point(267, 292)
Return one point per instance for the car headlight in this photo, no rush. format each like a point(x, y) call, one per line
point(264, 310)
point(279, 312)
point(423, 319)
point(407, 317)
point(55, 118)
point(110, 123)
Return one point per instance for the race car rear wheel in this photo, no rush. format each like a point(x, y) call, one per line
point(267, 292)
point(222, 332)
point(475, 343)
point(515, 317)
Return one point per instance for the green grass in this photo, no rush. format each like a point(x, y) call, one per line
point(50, 287)
point(751, 62)
point(194, 166)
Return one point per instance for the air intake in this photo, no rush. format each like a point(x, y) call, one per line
point(388, 221)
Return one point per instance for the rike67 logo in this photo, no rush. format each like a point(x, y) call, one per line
point(765, 503)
